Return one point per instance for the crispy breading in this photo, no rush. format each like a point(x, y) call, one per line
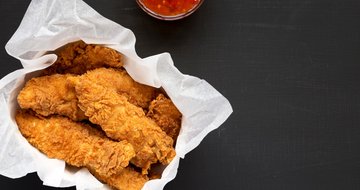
point(76, 143)
point(119, 80)
point(122, 120)
point(78, 57)
point(163, 111)
point(126, 179)
point(49, 95)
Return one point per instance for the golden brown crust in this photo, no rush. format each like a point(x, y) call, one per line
point(113, 102)
point(127, 179)
point(122, 120)
point(78, 57)
point(166, 115)
point(75, 143)
point(119, 80)
point(49, 95)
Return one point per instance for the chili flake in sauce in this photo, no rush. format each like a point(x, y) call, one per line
point(170, 7)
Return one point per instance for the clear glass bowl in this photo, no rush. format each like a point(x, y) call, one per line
point(167, 17)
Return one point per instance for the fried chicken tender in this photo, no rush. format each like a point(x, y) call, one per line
point(75, 143)
point(119, 80)
point(126, 179)
point(166, 115)
point(121, 120)
point(78, 57)
point(49, 95)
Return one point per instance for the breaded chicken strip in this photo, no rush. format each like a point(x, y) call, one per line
point(75, 143)
point(122, 120)
point(126, 179)
point(78, 57)
point(166, 115)
point(49, 95)
point(119, 80)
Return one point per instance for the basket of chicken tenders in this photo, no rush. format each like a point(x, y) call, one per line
point(86, 111)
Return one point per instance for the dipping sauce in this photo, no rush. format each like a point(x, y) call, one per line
point(170, 7)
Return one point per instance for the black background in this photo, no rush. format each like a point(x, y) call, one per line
point(291, 70)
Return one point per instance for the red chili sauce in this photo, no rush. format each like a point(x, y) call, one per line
point(170, 7)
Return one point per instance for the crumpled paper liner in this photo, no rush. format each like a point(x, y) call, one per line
point(50, 24)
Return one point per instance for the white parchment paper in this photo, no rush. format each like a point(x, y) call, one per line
point(50, 24)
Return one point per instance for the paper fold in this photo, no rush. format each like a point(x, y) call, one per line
point(50, 24)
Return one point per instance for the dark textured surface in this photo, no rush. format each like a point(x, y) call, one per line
point(290, 68)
